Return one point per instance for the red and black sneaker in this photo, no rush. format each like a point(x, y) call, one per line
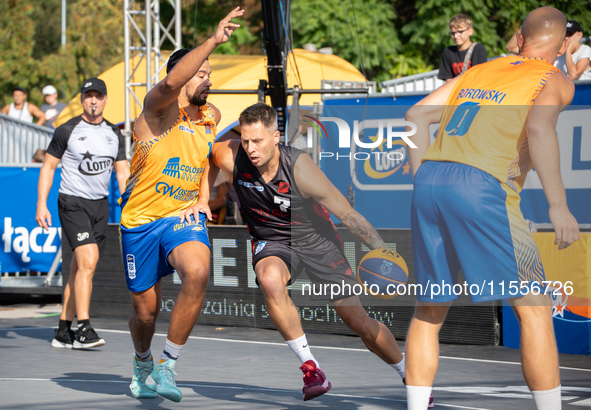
point(431, 400)
point(315, 383)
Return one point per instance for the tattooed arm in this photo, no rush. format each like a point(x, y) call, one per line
point(362, 229)
point(312, 182)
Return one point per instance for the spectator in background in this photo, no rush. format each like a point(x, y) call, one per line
point(39, 156)
point(21, 109)
point(52, 106)
point(576, 61)
point(465, 54)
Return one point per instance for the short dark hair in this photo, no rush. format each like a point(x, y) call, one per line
point(259, 112)
point(177, 56)
point(17, 88)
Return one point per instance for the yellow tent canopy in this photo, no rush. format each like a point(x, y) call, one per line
point(229, 72)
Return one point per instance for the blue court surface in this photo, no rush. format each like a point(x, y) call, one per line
point(243, 368)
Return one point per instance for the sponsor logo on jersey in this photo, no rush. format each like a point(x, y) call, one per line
point(283, 188)
point(95, 164)
point(186, 129)
point(250, 185)
point(284, 203)
point(176, 193)
point(172, 167)
point(260, 247)
point(516, 62)
point(110, 140)
point(82, 138)
point(247, 175)
point(175, 169)
point(208, 129)
point(198, 228)
point(82, 236)
point(130, 266)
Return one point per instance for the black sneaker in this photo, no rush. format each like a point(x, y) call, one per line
point(63, 339)
point(86, 337)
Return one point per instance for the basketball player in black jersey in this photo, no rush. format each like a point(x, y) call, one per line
point(287, 201)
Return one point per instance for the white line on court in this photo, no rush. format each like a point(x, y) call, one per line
point(215, 339)
point(209, 386)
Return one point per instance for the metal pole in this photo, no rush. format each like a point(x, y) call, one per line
point(126, 56)
point(148, 55)
point(178, 27)
point(63, 24)
point(156, 60)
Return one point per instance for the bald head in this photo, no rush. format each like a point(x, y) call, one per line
point(544, 29)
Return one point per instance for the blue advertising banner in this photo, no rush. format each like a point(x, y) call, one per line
point(26, 246)
point(380, 177)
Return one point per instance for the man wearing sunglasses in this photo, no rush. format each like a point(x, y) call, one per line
point(465, 54)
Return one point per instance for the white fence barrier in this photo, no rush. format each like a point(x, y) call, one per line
point(19, 140)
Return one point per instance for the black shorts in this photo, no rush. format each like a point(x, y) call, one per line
point(83, 221)
point(324, 260)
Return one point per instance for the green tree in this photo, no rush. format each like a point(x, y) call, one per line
point(326, 24)
point(17, 66)
point(428, 33)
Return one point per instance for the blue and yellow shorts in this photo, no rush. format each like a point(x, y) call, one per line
point(464, 218)
point(145, 249)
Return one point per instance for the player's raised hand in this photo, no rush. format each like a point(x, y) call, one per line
point(565, 226)
point(226, 27)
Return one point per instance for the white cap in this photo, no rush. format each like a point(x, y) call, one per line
point(49, 90)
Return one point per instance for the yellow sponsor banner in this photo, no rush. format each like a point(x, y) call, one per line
point(570, 270)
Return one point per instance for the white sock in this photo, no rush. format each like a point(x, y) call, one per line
point(399, 367)
point(417, 397)
point(171, 351)
point(144, 356)
point(547, 399)
point(301, 349)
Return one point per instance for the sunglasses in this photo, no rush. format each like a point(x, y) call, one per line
point(460, 32)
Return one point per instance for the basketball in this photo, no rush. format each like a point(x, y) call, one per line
point(381, 271)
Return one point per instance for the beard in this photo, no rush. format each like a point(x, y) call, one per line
point(196, 99)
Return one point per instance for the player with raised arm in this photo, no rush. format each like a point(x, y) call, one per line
point(173, 138)
point(287, 201)
point(497, 121)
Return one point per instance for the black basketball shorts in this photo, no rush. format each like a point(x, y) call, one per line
point(83, 220)
point(324, 260)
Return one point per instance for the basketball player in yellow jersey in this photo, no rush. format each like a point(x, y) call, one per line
point(497, 121)
point(173, 139)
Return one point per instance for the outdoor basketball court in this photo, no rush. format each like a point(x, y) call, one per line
point(244, 368)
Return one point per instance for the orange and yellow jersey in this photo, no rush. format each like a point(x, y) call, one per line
point(166, 171)
point(484, 121)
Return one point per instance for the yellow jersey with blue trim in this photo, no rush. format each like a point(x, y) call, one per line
point(484, 121)
point(166, 171)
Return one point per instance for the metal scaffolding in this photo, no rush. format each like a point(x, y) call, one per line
point(143, 19)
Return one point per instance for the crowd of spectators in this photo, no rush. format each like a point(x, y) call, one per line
point(574, 60)
point(22, 110)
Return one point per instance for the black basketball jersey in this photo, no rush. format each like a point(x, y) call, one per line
point(277, 211)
